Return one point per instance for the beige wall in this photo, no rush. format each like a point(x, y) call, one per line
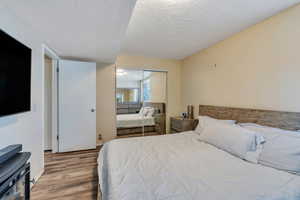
point(257, 68)
point(173, 67)
point(106, 107)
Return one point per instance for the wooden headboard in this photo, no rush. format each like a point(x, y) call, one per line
point(283, 120)
point(160, 108)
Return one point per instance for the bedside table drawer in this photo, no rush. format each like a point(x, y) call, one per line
point(178, 124)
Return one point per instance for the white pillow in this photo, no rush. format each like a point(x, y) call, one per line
point(150, 112)
point(147, 111)
point(142, 111)
point(282, 147)
point(234, 139)
point(201, 120)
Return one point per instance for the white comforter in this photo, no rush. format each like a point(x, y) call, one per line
point(134, 120)
point(180, 167)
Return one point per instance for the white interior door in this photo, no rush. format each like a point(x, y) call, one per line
point(77, 103)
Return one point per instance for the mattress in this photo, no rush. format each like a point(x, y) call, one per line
point(134, 120)
point(180, 167)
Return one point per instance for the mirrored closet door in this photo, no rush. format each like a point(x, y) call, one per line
point(141, 102)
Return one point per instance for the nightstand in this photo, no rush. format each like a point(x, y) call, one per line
point(179, 124)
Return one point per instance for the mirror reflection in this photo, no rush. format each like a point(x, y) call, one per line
point(141, 102)
point(128, 95)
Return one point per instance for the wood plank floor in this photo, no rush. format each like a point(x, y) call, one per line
point(68, 176)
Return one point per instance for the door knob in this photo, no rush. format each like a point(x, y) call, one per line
point(93, 110)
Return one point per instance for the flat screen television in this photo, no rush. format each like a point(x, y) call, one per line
point(15, 76)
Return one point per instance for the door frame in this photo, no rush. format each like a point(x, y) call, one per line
point(47, 51)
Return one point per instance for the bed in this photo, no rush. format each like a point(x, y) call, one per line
point(182, 167)
point(137, 123)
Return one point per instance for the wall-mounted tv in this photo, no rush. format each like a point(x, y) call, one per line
point(15, 76)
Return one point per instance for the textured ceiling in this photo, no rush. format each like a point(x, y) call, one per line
point(179, 28)
point(131, 75)
point(86, 29)
point(95, 29)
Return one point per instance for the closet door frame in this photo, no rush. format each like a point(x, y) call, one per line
point(143, 71)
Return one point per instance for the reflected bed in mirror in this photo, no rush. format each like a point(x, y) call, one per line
point(150, 120)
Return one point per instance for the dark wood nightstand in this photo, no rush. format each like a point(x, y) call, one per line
point(179, 124)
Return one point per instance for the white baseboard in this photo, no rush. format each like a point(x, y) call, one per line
point(37, 177)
